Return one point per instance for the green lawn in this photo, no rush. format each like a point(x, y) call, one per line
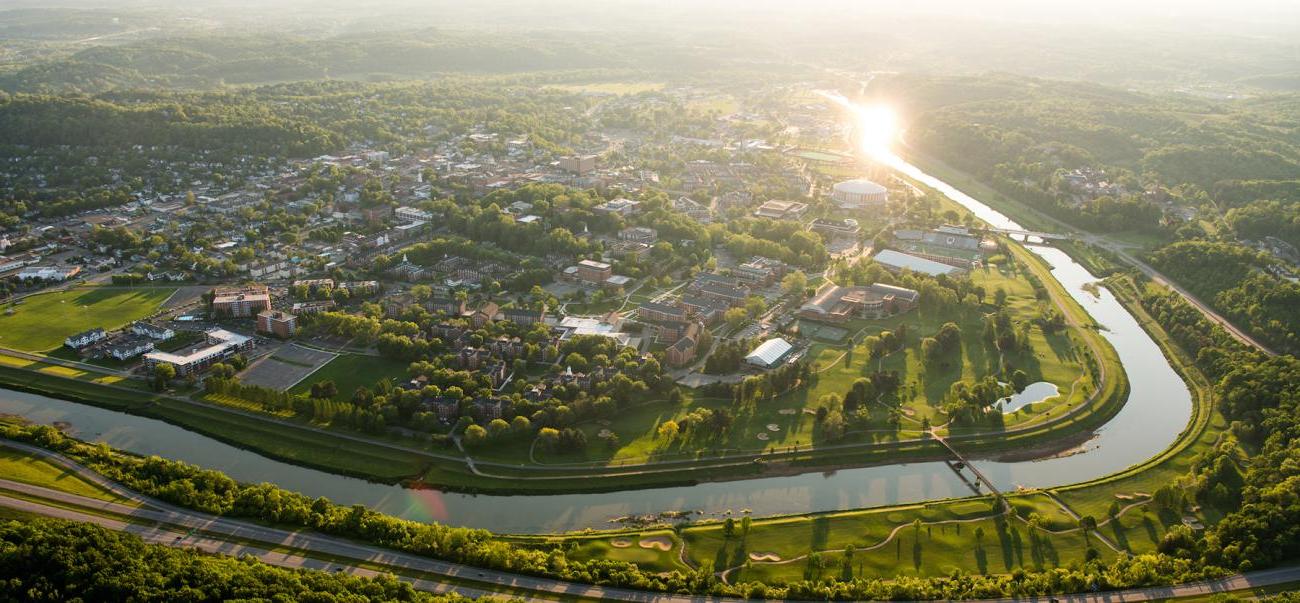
point(350, 371)
point(961, 535)
point(20, 467)
point(42, 322)
point(619, 88)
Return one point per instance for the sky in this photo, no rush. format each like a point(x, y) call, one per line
point(1271, 14)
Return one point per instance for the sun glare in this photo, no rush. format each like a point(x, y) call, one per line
point(877, 128)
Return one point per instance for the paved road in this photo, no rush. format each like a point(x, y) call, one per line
point(1161, 279)
point(186, 528)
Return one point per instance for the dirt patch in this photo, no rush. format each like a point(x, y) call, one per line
point(769, 557)
point(1067, 446)
point(620, 543)
point(662, 543)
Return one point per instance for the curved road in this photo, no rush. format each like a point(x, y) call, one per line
point(219, 535)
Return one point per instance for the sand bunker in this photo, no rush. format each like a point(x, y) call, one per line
point(604, 433)
point(620, 543)
point(773, 427)
point(787, 411)
point(764, 557)
point(662, 543)
point(762, 436)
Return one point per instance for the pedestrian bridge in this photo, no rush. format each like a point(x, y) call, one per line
point(1033, 233)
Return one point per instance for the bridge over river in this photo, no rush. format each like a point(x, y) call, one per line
point(1033, 233)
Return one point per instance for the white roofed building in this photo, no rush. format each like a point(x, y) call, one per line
point(895, 261)
point(769, 353)
point(859, 194)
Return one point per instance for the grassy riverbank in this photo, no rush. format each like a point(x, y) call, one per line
point(308, 448)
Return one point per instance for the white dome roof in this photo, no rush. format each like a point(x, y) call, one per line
point(860, 187)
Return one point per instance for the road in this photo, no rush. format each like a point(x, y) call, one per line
point(168, 525)
point(1119, 249)
point(1161, 279)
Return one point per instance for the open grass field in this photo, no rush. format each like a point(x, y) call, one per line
point(350, 371)
point(617, 88)
point(20, 467)
point(41, 322)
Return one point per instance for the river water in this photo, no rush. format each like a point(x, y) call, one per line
point(1159, 407)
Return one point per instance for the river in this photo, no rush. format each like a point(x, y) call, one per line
point(1158, 409)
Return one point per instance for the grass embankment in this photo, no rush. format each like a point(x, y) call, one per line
point(21, 467)
point(276, 440)
point(41, 322)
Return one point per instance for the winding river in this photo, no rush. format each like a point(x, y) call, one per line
point(1158, 409)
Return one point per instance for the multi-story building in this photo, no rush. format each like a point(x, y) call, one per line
point(219, 345)
point(240, 302)
point(593, 271)
point(761, 271)
point(130, 347)
point(781, 210)
point(152, 331)
point(410, 214)
point(834, 303)
point(639, 234)
point(85, 338)
point(652, 311)
point(579, 164)
point(277, 323)
point(620, 206)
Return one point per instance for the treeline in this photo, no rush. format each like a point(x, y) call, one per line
point(56, 560)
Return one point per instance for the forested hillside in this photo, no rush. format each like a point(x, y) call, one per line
point(1022, 135)
point(1235, 280)
point(205, 61)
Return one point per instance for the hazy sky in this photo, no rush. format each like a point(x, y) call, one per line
point(1272, 14)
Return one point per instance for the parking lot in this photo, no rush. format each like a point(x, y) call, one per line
point(285, 367)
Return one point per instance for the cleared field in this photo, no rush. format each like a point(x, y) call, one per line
point(42, 322)
point(286, 367)
point(350, 371)
point(618, 88)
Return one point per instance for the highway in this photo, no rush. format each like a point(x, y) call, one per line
point(162, 523)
